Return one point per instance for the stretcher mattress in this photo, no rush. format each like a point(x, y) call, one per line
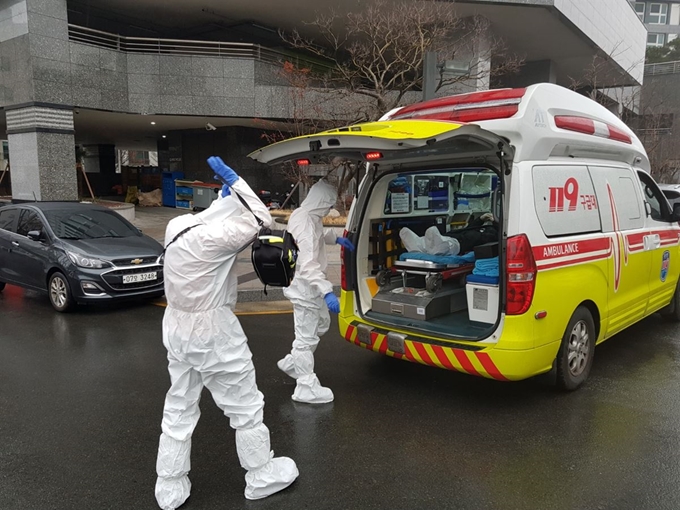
point(445, 260)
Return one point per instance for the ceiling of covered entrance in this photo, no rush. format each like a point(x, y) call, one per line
point(533, 32)
point(135, 132)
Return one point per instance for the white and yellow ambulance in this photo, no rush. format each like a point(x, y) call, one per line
point(543, 184)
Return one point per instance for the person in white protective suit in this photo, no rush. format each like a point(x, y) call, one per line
point(310, 292)
point(207, 347)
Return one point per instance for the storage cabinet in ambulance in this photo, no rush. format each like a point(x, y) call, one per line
point(501, 234)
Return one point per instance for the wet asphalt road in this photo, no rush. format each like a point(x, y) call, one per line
point(81, 398)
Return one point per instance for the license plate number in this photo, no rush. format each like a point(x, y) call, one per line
point(141, 277)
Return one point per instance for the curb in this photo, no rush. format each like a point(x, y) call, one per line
point(273, 294)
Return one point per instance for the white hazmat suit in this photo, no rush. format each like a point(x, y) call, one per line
point(307, 292)
point(207, 347)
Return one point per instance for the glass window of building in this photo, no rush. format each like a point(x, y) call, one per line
point(657, 14)
point(655, 39)
point(640, 10)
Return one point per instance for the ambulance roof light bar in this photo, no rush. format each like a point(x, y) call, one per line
point(592, 127)
point(472, 107)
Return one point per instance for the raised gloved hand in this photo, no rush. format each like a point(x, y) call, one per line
point(345, 243)
point(221, 169)
point(332, 302)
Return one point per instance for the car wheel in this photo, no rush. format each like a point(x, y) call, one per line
point(672, 311)
point(60, 293)
point(575, 357)
point(2, 286)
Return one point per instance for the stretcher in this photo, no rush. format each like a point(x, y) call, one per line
point(435, 273)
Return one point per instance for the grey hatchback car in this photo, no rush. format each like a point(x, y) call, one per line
point(77, 253)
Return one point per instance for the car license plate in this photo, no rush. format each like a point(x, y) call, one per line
point(140, 277)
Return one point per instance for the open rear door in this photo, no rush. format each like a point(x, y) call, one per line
point(391, 142)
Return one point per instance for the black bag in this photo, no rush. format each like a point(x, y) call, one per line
point(274, 254)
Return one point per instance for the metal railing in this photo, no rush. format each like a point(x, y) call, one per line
point(662, 68)
point(185, 47)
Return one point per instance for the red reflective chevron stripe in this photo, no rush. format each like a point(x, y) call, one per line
point(443, 358)
point(423, 354)
point(490, 366)
point(465, 362)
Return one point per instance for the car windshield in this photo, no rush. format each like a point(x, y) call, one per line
point(88, 224)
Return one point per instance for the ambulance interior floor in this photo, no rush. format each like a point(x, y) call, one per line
point(457, 323)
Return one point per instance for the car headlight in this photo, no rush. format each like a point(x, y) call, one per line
point(87, 262)
point(161, 259)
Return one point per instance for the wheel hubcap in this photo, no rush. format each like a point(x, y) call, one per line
point(579, 343)
point(58, 292)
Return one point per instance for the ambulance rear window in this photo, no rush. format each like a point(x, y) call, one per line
point(565, 200)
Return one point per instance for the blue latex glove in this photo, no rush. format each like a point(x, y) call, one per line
point(226, 191)
point(332, 302)
point(345, 243)
point(221, 169)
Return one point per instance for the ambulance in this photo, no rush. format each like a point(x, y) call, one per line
point(559, 236)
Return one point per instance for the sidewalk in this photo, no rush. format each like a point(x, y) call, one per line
point(153, 220)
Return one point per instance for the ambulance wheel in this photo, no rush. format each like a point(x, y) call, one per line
point(575, 357)
point(672, 311)
point(382, 278)
point(2, 286)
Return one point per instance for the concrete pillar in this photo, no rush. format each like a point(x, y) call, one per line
point(42, 151)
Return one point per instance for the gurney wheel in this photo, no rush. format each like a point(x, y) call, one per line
point(434, 282)
point(382, 278)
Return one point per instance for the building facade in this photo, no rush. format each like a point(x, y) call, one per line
point(157, 74)
point(662, 20)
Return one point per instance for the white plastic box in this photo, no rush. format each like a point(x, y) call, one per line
point(482, 302)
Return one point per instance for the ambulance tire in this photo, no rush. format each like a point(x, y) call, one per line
point(672, 311)
point(579, 342)
point(2, 286)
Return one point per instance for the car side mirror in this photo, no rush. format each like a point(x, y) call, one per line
point(35, 235)
point(675, 216)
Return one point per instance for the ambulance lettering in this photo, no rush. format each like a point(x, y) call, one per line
point(570, 192)
point(559, 250)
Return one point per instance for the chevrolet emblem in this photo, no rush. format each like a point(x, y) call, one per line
point(136, 261)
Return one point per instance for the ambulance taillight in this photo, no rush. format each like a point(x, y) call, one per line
point(521, 274)
point(472, 107)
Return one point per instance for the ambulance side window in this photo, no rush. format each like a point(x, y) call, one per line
point(654, 197)
point(619, 197)
point(565, 200)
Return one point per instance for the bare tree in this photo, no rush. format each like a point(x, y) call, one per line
point(378, 52)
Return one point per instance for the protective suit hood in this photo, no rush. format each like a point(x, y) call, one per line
point(226, 207)
point(322, 196)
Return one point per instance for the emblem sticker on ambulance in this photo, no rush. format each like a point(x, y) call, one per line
point(665, 264)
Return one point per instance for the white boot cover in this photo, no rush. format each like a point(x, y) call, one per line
point(266, 475)
point(437, 244)
point(411, 241)
point(308, 389)
point(287, 367)
point(172, 466)
point(274, 476)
